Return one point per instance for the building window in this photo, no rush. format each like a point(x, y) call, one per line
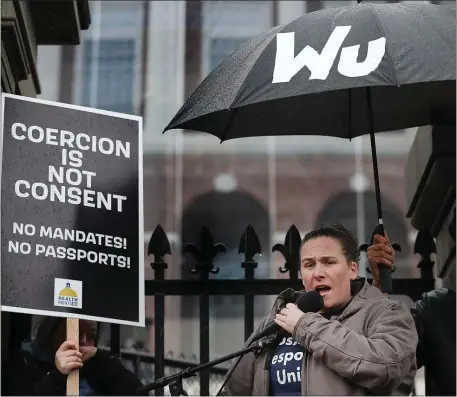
point(108, 74)
point(338, 3)
point(221, 47)
point(109, 60)
point(226, 25)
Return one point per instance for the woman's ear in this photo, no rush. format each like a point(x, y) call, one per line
point(354, 269)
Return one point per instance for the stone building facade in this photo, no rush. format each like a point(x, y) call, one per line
point(164, 49)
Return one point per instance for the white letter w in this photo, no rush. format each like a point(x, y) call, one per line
point(287, 66)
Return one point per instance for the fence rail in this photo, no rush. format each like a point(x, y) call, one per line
point(410, 287)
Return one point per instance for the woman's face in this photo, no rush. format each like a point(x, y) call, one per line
point(325, 268)
point(87, 333)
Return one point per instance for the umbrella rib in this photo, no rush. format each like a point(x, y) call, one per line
point(229, 124)
point(387, 44)
point(336, 16)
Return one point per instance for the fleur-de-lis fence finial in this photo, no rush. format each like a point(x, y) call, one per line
point(249, 246)
point(290, 251)
point(205, 252)
point(159, 246)
point(425, 246)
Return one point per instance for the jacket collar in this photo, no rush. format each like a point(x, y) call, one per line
point(364, 292)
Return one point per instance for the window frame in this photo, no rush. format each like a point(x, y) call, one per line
point(209, 30)
point(99, 31)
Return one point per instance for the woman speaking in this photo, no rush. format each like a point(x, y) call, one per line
point(360, 343)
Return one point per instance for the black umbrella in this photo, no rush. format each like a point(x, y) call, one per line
point(341, 72)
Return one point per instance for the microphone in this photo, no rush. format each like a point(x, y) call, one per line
point(307, 302)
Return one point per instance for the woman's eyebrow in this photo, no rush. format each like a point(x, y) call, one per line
point(313, 258)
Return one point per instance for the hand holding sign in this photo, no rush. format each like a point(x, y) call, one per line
point(68, 358)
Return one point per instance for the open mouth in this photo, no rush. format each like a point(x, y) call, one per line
point(323, 289)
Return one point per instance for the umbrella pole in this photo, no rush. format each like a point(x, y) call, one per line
point(374, 158)
point(385, 274)
point(377, 189)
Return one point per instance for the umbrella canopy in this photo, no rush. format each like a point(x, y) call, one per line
point(309, 77)
point(341, 72)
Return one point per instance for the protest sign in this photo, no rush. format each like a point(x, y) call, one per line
point(72, 240)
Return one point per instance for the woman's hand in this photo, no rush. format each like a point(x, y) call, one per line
point(87, 352)
point(381, 252)
point(68, 358)
point(288, 317)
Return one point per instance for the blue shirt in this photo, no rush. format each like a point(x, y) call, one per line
point(285, 368)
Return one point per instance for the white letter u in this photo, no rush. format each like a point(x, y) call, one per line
point(348, 65)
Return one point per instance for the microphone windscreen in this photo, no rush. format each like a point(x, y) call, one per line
point(310, 301)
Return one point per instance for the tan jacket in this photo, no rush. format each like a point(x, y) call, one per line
point(369, 349)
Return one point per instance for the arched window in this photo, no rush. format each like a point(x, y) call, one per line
point(226, 215)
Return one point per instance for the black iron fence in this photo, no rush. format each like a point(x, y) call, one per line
point(150, 367)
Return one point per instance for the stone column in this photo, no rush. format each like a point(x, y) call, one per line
point(164, 96)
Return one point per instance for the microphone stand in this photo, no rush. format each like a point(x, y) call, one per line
point(175, 381)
